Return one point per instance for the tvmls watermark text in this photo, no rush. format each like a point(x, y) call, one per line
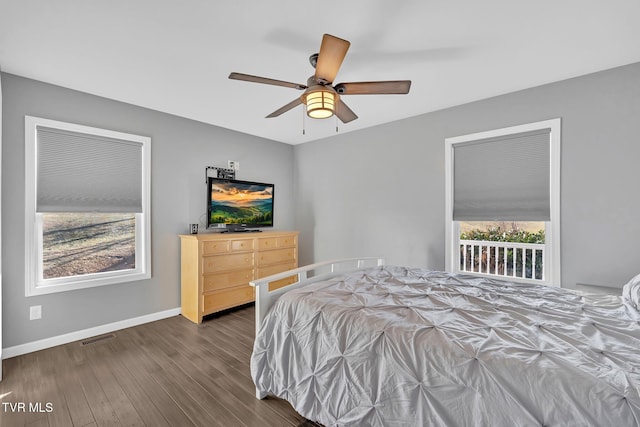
point(27, 407)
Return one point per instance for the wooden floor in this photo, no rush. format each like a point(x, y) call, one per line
point(166, 373)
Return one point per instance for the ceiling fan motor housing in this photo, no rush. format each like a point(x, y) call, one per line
point(313, 59)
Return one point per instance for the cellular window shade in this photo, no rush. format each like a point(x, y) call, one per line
point(79, 172)
point(503, 178)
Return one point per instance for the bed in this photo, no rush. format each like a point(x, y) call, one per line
point(377, 345)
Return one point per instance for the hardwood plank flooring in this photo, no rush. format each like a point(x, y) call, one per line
point(166, 373)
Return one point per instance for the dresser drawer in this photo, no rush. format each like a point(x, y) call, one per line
point(268, 243)
point(216, 247)
point(287, 241)
point(273, 269)
point(278, 268)
point(216, 263)
point(213, 282)
point(276, 256)
point(241, 245)
point(225, 299)
point(277, 242)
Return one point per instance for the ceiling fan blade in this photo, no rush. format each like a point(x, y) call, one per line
point(286, 108)
point(332, 53)
point(398, 87)
point(344, 113)
point(256, 79)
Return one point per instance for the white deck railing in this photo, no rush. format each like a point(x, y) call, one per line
point(504, 259)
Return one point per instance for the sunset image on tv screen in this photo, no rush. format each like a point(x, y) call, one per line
point(241, 203)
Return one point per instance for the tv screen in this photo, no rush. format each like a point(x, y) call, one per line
point(239, 204)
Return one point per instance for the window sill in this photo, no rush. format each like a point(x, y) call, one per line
point(71, 284)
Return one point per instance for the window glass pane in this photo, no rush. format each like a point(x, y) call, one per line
point(503, 231)
point(84, 243)
point(503, 248)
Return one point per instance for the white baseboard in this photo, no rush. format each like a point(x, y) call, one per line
point(86, 333)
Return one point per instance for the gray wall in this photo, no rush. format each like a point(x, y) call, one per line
point(380, 191)
point(181, 149)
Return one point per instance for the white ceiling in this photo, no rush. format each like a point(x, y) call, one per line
point(175, 56)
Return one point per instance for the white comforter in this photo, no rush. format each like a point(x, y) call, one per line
point(393, 346)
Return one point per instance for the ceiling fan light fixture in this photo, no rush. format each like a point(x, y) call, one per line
point(321, 103)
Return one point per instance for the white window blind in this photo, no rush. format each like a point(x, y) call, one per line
point(81, 172)
point(503, 178)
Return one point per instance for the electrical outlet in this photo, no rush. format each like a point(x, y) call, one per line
point(35, 312)
point(232, 164)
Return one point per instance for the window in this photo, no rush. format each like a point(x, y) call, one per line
point(87, 206)
point(503, 203)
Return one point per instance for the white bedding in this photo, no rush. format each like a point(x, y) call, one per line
point(392, 346)
point(631, 292)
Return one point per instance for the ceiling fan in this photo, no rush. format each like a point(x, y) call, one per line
point(323, 100)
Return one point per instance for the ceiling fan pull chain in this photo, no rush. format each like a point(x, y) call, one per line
point(336, 118)
point(303, 121)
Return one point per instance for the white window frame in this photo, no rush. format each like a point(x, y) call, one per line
point(35, 284)
point(552, 228)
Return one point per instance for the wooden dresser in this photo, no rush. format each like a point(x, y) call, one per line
point(216, 268)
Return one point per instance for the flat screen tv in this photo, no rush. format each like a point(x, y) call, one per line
point(239, 205)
